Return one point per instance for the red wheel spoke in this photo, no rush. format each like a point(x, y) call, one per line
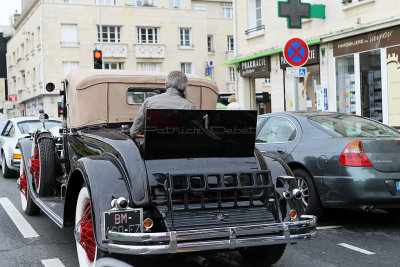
point(35, 166)
point(87, 236)
point(22, 184)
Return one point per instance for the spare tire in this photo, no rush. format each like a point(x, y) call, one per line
point(43, 165)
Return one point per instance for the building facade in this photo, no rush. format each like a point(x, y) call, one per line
point(53, 37)
point(352, 63)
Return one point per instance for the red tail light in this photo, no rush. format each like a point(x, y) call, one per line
point(354, 155)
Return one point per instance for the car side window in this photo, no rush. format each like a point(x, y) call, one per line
point(11, 132)
point(137, 95)
point(7, 129)
point(277, 130)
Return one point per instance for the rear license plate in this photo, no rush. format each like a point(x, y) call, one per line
point(126, 221)
point(398, 185)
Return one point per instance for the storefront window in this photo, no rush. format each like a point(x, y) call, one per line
point(307, 90)
point(371, 85)
point(345, 85)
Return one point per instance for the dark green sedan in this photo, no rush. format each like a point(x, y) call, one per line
point(340, 160)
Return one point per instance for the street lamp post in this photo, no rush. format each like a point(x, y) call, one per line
point(101, 31)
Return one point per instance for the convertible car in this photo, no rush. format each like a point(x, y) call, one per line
point(192, 183)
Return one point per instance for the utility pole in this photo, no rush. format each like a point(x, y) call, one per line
point(101, 31)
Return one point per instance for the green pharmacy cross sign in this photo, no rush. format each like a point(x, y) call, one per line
point(295, 10)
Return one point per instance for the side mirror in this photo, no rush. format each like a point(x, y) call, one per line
point(50, 87)
point(31, 132)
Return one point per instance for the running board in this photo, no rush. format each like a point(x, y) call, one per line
point(52, 214)
point(49, 205)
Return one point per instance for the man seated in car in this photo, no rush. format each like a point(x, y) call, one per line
point(173, 98)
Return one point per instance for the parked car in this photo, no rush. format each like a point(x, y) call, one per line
point(339, 160)
point(13, 130)
point(195, 183)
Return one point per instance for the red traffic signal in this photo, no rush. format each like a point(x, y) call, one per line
point(98, 59)
point(97, 54)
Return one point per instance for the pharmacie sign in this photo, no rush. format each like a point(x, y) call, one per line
point(313, 57)
point(367, 41)
point(256, 68)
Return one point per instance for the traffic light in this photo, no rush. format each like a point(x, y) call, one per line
point(98, 59)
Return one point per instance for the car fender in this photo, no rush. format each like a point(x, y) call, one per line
point(25, 145)
point(8, 150)
point(105, 180)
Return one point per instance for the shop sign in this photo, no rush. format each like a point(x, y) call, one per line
point(256, 68)
point(295, 10)
point(313, 57)
point(367, 41)
point(12, 97)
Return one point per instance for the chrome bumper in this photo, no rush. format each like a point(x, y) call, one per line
point(212, 239)
point(15, 162)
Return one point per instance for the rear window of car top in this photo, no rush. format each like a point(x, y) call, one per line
point(353, 126)
point(137, 95)
point(26, 126)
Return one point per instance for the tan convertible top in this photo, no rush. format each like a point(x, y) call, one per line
point(99, 96)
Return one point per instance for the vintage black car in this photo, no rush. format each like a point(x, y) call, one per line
point(194, 183)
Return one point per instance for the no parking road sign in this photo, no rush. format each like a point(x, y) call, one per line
point(296, 52)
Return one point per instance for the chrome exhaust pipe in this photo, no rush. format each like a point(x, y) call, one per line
point(198, 260)
point(368, 208)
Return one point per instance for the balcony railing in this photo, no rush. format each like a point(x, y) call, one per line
point(255, 29)
point(114, 49)
point(70, 44)
point(150, 50)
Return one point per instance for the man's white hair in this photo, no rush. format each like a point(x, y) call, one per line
point(177, 80)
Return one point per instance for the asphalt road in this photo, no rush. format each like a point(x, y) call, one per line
point(346, 238)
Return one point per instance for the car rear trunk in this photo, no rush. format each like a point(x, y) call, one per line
point(384, 153)
point(202, 170)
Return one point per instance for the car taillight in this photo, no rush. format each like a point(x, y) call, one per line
point(354, 155)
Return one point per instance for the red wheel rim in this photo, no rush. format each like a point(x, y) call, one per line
point(35, 166)
point(22, 184)
point(87, 236)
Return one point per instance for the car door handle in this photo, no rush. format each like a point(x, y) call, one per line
point(281, 150)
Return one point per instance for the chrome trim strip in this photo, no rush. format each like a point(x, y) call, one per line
point(49, 212)
point(145, 237)
point(234, 237)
